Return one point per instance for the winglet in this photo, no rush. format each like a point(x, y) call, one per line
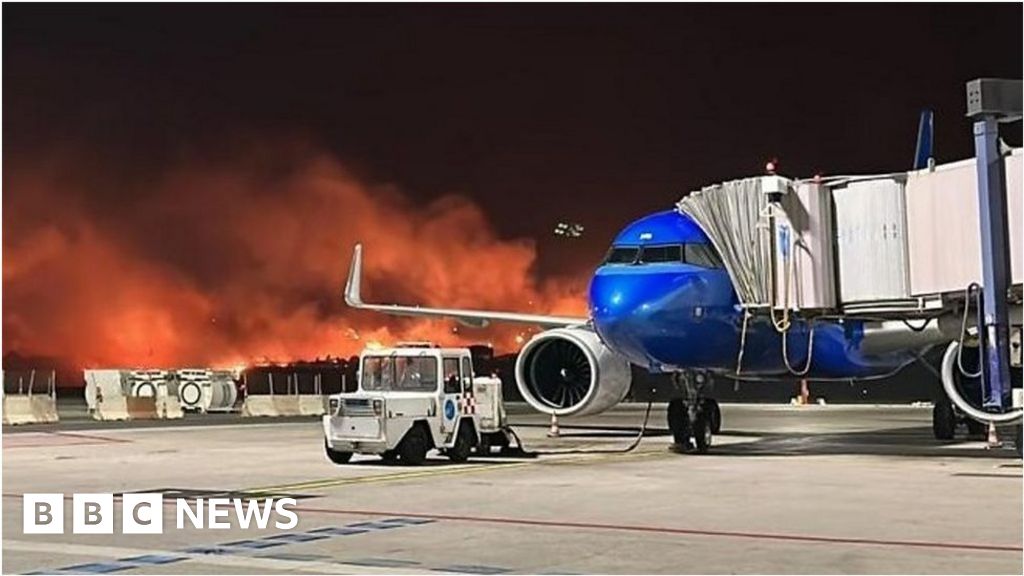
point(355, 273)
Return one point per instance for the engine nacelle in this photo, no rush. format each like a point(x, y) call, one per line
point(569, 371)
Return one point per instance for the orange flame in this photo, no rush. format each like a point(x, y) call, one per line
point(239, 262)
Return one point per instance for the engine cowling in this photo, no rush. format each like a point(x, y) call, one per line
point(569, 371)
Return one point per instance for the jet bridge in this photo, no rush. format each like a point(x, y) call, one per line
point(911, 250)
point(897, 244)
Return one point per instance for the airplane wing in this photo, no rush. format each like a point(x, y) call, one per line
point(475, 318)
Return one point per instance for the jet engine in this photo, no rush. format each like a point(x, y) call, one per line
point(569, 371)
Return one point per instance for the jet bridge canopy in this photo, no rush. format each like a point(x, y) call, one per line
point(894, 239)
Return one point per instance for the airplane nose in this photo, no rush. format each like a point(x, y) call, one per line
point(621, 304)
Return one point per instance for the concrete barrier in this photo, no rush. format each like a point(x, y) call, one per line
point(286, 405)
point(115, 408)
point(141, 408)
point(259, 405)
point(283, 405)
point(169, 407)
point(29, 409)
point(311, 405)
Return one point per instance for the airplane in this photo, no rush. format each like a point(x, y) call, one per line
point(664, 300)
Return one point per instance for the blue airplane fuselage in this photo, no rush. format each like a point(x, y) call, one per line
point(678, 309)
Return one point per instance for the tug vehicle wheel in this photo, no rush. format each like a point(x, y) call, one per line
point(413, 448)
point(463, 445)
point(337, 456)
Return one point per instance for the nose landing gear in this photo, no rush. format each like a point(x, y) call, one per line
point(693, 419)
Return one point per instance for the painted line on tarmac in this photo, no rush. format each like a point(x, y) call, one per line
point(551, 459)
point(45, 439)
point(439, 471)
point(681, 531)
point(274, 565)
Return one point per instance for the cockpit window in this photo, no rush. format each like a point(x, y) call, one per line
point(622, 255)
point(654, 254)
point(703, 255)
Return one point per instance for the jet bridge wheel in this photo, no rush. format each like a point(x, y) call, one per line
point(337, 456)
point(943, 420)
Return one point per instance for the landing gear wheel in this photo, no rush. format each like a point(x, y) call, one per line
point(413, 448)
point(389, 456)
point(943, 420)
point(679, 424)
point(464, 442)
point(336, 456)
point(714, 413)
point(702, 432)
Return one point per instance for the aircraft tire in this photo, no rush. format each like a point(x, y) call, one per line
point(715, 412)
point(702, 434)
point(678, 423)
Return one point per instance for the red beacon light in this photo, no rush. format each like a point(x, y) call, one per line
point(771, 166)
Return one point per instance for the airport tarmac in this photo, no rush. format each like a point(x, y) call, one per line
point(817, 489)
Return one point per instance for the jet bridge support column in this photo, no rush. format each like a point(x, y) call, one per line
point(989, 102)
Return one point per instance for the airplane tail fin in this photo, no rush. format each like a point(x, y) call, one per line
point(925, 128)
point(355, 274)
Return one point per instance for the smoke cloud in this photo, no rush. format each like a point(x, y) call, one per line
point(242, 259)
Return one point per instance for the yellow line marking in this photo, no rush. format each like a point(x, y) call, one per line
point(451, 470)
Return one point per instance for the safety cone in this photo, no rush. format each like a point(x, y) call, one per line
point(553, 430)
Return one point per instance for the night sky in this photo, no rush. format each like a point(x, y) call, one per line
point(534, 113)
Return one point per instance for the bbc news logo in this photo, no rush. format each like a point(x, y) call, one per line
point(143, 513)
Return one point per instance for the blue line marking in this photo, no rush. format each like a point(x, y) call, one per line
point(474, 569)
point(209, 550)
point(297, 537)
point(255, 544)
point(97, 567)
point(374, 525)
point(339, 531)
point(153, 559)
point(409, 521)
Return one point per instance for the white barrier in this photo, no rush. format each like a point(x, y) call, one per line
point(168, 407)
point(141, 408)
point(115, 408)
point(259, 406)
point(31, 408)
point(311, 405)
point(283, 405)
point(102, 385)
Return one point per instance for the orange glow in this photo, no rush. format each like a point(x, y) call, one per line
point(235, 263)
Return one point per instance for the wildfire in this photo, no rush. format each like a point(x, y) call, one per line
point(111, 271)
